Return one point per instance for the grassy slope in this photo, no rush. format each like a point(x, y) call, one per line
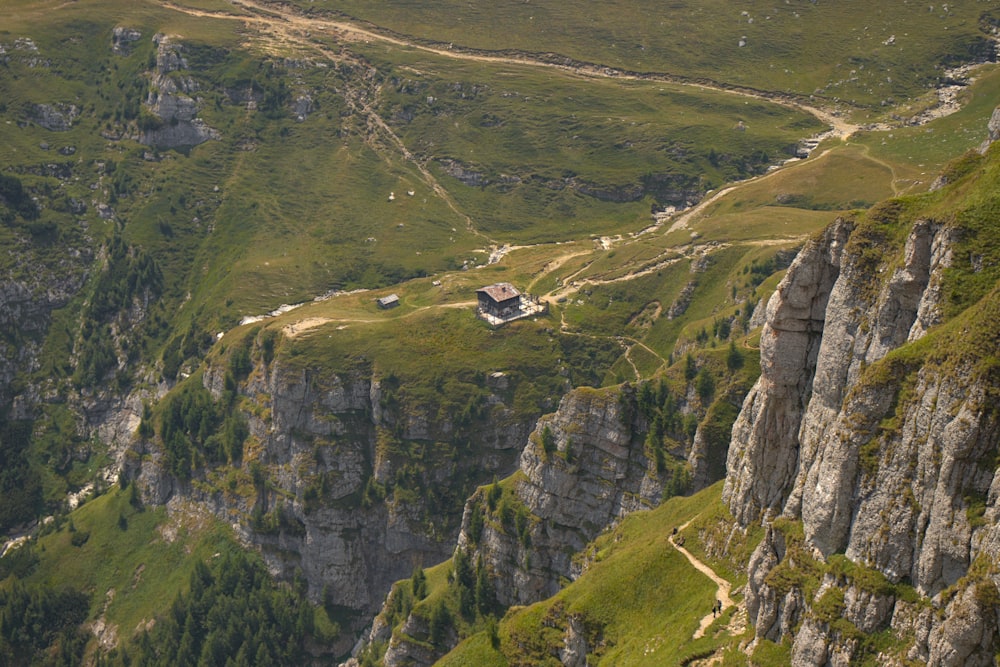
point(133, 562)
point(132, 573)
point(640, 598)
point(919, 153)
point(279, 229)
point(868, 167)
point(539, 124)
point(278, 211)
point(454, 346)
point(702, 39)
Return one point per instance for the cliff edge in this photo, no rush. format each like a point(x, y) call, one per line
point(869, 446)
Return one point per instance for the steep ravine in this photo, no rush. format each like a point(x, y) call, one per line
point(582, 468)
point(874, 424)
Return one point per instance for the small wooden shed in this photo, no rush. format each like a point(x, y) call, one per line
point(387, 302)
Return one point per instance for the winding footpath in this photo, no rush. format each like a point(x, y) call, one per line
point(722, 595)
point(281, 28)
point(284, 23)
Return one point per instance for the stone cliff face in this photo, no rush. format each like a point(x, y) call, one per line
point(772, 412)
point(583, 468)
point(993, 128)
point(330, 453)
point(593, 471)
point(878, 432)
point(170, 99)
point(26, 305)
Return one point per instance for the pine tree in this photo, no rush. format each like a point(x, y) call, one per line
point(485, 595)
point(734, 359)
point(418, 583)
point(548, 441)
point(439, 622)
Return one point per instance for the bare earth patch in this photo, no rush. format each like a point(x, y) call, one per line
point(296, 328)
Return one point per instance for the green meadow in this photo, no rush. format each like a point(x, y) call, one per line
point(845, 52)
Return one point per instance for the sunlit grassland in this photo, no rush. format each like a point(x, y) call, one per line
point(868, 53)
point(74, 22)
point(630, 256)
point(278, 211)
point(456, 288)
point(919, 153)
point(838, 179)
point(434, 332)
point(647, 363)
point(764, 223)
point(606, 309)
point(133, 562)
point(553, 152)
point(568, 268)
point(804, 196)
point(797, 199)
point(604, 127)
point(436, 344)
point(325, 221)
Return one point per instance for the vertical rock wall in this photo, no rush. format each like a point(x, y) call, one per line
point(595, 473)
point(763, 454)
point(320, 441)
point(886, 458)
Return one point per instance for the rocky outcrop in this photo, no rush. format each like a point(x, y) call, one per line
point(170, 101)
point(463, 173)
point(302, 107)
point(666, 188)
point(763, 454)
point(993, 129)
point(26, 304)
point(55, 117)
point(582, 469)
point(863, 327)
point(123, 39)
point(881, 443)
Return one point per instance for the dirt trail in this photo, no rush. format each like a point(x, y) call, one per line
point(630, 344)
point(299, 327)
point(667, 258)
point(280, 26)
point(722, 595)
point(681, 221)
point(556, 263)
point(298, 28)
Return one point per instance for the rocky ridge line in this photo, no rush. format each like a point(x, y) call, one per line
point(883, 457)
